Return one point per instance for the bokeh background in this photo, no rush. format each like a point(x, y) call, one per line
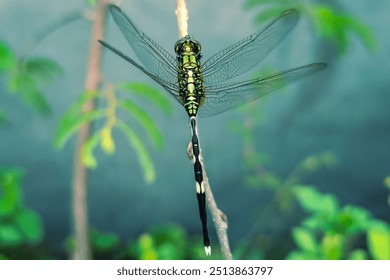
point(300, 173)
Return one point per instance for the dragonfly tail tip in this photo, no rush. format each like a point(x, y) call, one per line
point(207, 250)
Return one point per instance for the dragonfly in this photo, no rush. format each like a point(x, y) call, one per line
point(203, 89)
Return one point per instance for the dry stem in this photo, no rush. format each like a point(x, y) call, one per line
point(218, 217)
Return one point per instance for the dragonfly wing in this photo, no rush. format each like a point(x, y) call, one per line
point(247, 53)
point(171, 88)
point(156, 59)
point(220, 98)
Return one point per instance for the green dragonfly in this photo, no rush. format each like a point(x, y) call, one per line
point(200, 87)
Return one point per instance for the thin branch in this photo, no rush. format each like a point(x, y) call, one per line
point(182, 17)
point(79, 189)
point(218, 217)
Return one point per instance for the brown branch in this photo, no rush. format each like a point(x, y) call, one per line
point(218, 217)
point(182, 17)
point(82, 248)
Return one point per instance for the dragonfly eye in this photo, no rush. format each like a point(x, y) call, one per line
point(178, 47)
point(187, 45)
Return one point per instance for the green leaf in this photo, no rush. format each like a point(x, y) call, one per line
point(36, 99)
point(149, 92)
point(77, 108)
point(312, 222)
point(10, 236)
point(333, 246)
point(145, 120)
point(313, 201)
point(336, 27)
point(301, 255)
point(305, 239)
point(7, 58)
point(26, 86)
point(364, 33)
point(10, 199)
point(30, 225)
point(146, 247)
point(42, 69)
point(330, 26)
point(378, 240)
point(89, 146)
point(358, 254)
point(354, 219)
point(104, 242)
point(69, 126)
point(20, 82)
point(139, 147)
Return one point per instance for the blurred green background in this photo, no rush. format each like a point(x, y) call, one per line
point(301, 174)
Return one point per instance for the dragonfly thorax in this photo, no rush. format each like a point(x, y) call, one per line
point(189, 74)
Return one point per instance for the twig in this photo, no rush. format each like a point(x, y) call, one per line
point(79, 189)
point(182, 17)
point(218, 217)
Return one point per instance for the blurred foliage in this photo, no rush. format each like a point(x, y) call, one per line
point(169, 242)
point(332, 25)
point(110, 112)
point(332, 232)
point(257, 175)
point(387, 185)
point(164, 242)
point(91, 2)
point(26, 77)
point(20, 227)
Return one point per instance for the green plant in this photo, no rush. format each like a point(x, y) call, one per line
point(332, 232)
point(104, 245)
point(26, 77)
point(19, 225)
point(168, 242)
point(330, 24)
point(114, 103)
point(162, 242)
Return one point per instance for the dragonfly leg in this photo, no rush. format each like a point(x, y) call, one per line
point(200, 193)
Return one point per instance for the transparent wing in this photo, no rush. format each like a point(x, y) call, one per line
point(171, 88)
point(247, 53)
point(220, 98)
point(155, 59)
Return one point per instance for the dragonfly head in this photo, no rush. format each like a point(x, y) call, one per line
point(188, 46)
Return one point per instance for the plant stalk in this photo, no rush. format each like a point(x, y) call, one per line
point(82, 250)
